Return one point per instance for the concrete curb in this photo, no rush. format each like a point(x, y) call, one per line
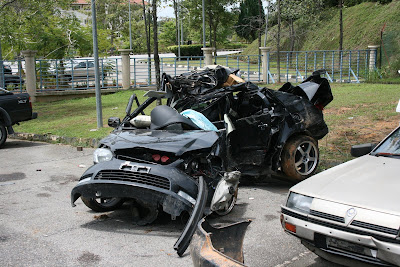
point(73, 141)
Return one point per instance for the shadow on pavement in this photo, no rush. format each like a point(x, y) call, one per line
point(121, 220)
point(15, 143)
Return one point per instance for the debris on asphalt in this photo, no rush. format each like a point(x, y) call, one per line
point(101, 217)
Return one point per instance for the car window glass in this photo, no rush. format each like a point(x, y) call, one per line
point(391, 144)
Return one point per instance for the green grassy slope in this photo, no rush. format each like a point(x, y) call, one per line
point(362, 26)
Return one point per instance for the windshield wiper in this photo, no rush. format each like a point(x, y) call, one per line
point(386, 154)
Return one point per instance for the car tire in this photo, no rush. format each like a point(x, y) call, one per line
point(300, 157)
point(3, 134)
point(103, 204)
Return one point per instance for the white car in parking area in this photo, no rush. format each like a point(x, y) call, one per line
point(350, 214)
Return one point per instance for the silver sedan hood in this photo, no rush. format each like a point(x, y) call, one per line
point(369, 182)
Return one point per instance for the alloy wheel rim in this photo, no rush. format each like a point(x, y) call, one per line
point(306, 158)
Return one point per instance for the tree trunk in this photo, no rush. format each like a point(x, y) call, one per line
point(215, 36)
point(260, 25)
point(155, 37)
point(147, 24)
point(341, 25)
point(292, 35)
point(2, 82)
point(210, 20)
point(278, 40)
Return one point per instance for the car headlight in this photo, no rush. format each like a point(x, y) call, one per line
point(101, 155)
point(299, 202)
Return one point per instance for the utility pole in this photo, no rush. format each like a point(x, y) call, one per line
point(96, 67)
point(179, 34)
point(182, 30)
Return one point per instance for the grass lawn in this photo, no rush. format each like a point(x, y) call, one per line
point(359, 113)
point(78, 117)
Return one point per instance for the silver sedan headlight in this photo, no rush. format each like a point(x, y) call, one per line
point(299, 202)
point(101, 155)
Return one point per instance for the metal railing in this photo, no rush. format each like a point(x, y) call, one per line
point(143, 71)
point(340, 66)
point(78, 74)
point(14, 75)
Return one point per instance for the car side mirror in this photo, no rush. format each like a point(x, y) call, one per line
point(361, 150)
point(114, 122)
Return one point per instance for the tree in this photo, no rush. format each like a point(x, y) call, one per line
point(37, 25)
point(112, 16)
point(302, 12)
point(167, 33)
point(219, 18)
point(251, 19)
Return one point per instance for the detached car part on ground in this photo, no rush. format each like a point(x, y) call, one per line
point(192, 164)
point(350, 213)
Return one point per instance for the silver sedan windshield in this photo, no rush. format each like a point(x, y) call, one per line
point(391, 146)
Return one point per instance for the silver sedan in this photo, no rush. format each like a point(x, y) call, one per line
point(350, 214)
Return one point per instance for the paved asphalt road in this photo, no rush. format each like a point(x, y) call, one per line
point(38, 226)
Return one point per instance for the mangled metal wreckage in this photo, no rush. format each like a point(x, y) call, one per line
point(188, 155)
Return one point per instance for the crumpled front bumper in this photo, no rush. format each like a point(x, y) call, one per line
point(221, 246)
point(157, 184)
point(361, 247)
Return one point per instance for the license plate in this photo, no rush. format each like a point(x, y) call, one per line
point(347, 246)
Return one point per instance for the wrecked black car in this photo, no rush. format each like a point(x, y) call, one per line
point(188, 155)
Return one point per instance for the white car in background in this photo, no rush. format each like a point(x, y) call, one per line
point(350, 214)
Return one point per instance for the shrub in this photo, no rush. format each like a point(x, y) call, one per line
point(187, 50)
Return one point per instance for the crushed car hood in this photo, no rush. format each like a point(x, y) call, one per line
point(369, 182)
point(177, 142)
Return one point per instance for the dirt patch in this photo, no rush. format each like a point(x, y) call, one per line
point(43, 195)
point(4, 238)
point(64, 179)
point(12, 177)
point(271, 217)
point(337, 111)
point(355, 130)
point(361, 130)
point(89, 258)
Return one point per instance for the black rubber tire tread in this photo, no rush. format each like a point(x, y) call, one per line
point(288, 157)
point(3, 135)
point(96, 206)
